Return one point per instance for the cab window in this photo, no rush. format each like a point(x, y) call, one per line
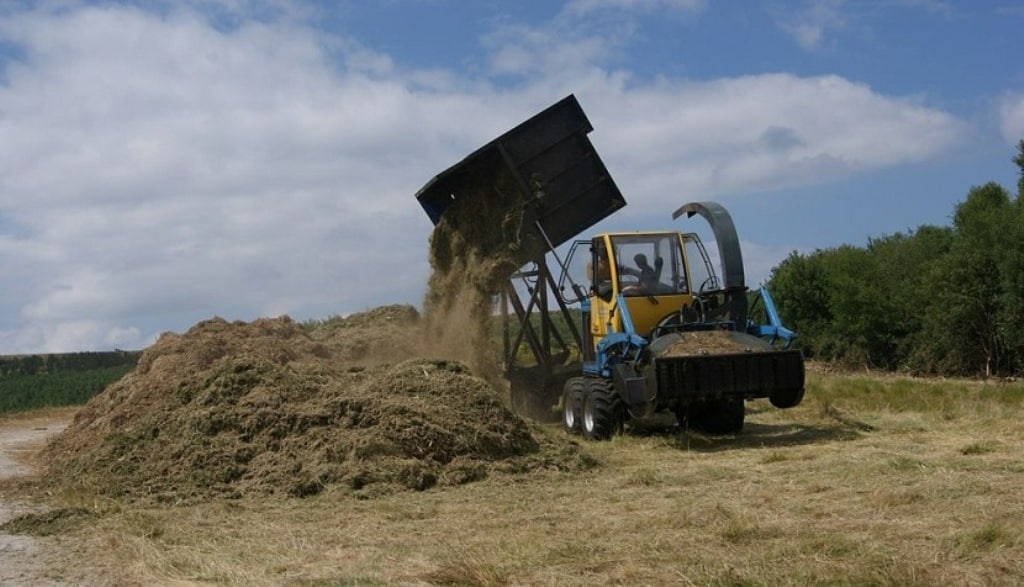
point(650, 265)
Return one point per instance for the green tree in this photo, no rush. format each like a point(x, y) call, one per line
point(800, 289)
point(965, 325)
point(859, 307)
point(904, 269)
point(946, 300)
point(862, 305)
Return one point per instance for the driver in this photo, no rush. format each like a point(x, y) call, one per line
point(649, 276)
point(646, 275)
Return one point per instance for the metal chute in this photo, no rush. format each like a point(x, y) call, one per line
point(734, 287)
point(545, 166)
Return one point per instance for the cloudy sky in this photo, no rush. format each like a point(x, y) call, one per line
point(166, 162)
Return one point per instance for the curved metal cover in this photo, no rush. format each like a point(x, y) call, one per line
point(725, 236)
point(545, 165)
point(729, 252)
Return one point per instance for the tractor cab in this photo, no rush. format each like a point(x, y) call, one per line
point(656, 274)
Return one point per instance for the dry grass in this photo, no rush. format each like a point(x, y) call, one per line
point(872, 481)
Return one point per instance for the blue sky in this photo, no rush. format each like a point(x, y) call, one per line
point(165, 162)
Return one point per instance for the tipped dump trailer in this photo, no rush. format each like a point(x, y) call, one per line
point(630, 324)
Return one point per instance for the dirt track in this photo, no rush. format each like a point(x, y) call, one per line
point(23, 559)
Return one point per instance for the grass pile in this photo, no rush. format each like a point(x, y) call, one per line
point(234, 409)
point(266, 407)
point(382, 334)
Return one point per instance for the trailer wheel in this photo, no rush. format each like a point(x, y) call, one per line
point(572, 405)
point(602, 410)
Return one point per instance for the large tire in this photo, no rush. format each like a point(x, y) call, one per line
point(723, 416)
point(572, 405)
point(603, 411)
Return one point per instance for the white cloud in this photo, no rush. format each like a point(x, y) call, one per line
point(810, 25)
point(526, 51)
point(156, 169)
point(586, 35)
point(756, 133)
point(586, 6)
point(817, 24)
point(209, 172)
point(1011, 117)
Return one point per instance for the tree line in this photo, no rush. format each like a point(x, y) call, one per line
point(936, 300)
point(65, 362)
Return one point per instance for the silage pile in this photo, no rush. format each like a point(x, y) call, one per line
point(383, 334)
point(264, 408)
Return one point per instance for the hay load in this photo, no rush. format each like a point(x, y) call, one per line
point(474, 249)
point(234, 409)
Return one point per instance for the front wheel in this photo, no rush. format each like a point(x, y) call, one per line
point(602, 410)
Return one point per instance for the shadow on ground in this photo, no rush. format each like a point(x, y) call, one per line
point(754, 434)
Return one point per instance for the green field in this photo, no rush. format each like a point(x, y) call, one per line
point(29, 382)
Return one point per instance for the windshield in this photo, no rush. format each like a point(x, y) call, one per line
point(650, 264)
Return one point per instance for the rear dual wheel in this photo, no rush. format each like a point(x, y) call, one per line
point(591, 407)
point(603, 412)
